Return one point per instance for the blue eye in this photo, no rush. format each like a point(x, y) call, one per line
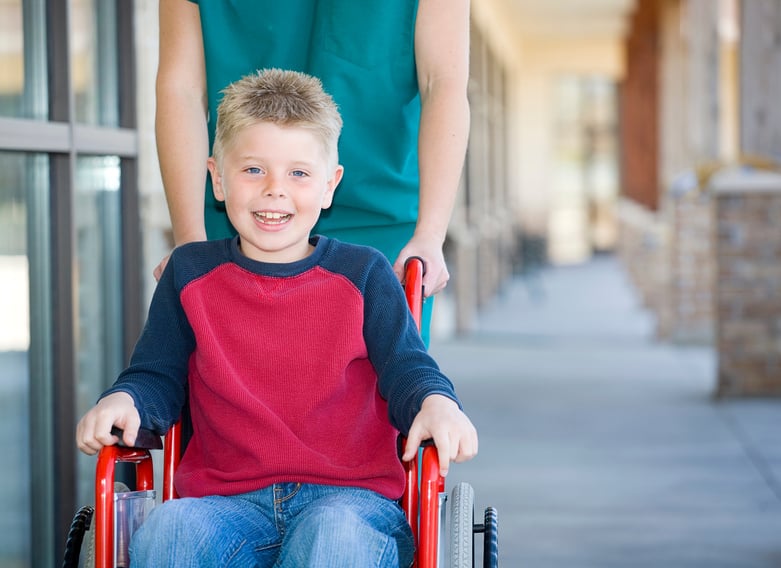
point(298, 173)
point(253, 170)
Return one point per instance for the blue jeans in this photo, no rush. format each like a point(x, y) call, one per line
point(285, 525)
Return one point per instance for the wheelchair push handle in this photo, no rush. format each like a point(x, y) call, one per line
point(414, 269)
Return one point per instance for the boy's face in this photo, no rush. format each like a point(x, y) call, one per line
point(274, 181)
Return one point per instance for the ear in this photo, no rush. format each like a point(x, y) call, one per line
point(328, 196)
point(214, 171)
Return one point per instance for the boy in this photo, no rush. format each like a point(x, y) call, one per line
point(296, 352)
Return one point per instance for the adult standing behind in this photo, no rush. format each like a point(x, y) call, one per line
point(398, 71)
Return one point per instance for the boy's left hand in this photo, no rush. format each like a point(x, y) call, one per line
point(442, 421)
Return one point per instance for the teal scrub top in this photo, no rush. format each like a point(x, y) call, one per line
point(363, 52)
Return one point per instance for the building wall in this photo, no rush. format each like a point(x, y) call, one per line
point(691, 108)
point(708, 243)
point(639, 107)
point(760, 80)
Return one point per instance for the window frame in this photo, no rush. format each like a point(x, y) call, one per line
point(53, 319)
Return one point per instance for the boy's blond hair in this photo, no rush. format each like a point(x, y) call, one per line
point(284, 98)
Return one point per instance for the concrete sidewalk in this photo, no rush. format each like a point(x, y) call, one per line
point(603, 448)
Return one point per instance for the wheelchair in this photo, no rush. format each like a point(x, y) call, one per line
point(443, 525)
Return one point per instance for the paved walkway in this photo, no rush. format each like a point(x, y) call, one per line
point(604, 448)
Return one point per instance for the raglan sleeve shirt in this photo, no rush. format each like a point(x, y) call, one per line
point(157, 374)
point(406, 373)
point(302, 372)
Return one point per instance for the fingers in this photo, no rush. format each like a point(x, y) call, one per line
point(444, 455)
point(456, 450)
point(467, 447)
point(435, 279)
point(93, 432)
point(130, 431)
point(411, 448)
point(94, 429)
point(415, 439)
point(454, 444)
point(158, 271)
point(436, 275)
point(398, 267)
point(85, 439)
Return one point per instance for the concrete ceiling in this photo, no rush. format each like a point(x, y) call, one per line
point(570, 19)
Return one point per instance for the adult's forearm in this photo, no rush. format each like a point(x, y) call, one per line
point(442, 57)
point(182, 147)
point(444, 131)
point(180, 121)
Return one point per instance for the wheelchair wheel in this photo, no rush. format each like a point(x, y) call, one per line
point(79, 527)
point(81, 536)
point(461, 521)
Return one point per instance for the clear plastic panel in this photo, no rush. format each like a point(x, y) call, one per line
point(130, 511)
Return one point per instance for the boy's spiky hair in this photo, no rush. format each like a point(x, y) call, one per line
point(285, 98)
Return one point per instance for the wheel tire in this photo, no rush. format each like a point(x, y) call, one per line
point(78, 528)
point(89, 558)
point(491, 539)
point(462, 513)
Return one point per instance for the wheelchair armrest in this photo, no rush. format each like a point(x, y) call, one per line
point(145, 440)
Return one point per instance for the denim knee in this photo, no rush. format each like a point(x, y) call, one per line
point(185, 533)
point(361, 533)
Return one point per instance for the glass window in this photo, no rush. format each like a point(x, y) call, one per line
point(99, 357)
point(94, 62)
point(17, 172)
point(586, 167)
point(22, 60)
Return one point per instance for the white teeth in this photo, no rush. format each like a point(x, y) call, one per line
point(272, 216)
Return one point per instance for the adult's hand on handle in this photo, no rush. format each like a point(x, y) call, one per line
point(436, 275)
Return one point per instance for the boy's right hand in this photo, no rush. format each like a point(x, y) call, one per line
point(94, 429)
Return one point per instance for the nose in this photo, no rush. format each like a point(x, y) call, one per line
point(275, 186)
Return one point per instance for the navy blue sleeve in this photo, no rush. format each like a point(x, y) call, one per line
point(157, 374)
point(407, 374)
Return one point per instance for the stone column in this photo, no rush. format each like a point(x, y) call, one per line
point(747, 216)
point(689, 152)
point(747, 219)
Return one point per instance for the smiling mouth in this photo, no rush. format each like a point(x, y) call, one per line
point(272, 217)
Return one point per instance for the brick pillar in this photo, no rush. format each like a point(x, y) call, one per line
point(747, 216)
point(689, 298)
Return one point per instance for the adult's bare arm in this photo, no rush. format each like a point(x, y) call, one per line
point(180, 120)
point(442, 57)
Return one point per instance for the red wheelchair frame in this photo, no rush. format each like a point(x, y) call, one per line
point(420, 502)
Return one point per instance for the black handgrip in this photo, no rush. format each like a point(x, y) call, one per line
point(145, 440)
